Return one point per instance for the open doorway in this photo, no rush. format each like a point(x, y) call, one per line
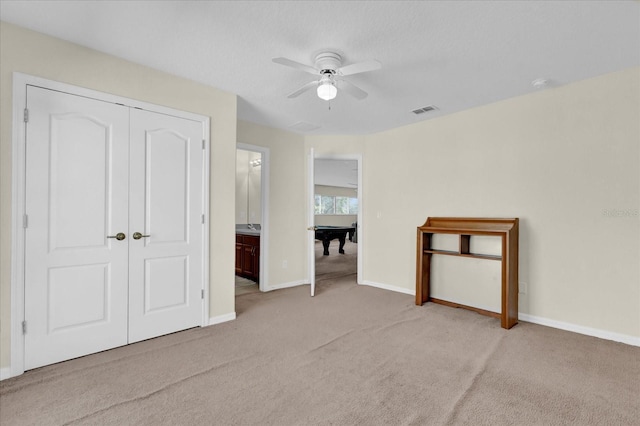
point(252, 164)
point(337, 205)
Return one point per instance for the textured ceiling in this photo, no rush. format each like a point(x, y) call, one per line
point(455, 55)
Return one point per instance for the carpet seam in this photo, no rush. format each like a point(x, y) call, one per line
point(155, 392)
point(450, 420)
point(8, 391)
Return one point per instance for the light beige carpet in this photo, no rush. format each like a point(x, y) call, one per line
point(351, 355)
point(336, 265)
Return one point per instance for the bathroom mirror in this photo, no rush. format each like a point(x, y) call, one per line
point(248, 187)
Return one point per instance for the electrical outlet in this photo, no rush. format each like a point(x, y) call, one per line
point(284, 264)
point(522, 287)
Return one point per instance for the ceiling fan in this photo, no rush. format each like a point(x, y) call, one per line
point(328, 66)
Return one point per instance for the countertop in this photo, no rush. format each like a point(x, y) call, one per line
point(255, 232)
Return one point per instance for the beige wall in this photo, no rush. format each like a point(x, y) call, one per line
point(287, 202)
point(36, 54)
point(566, 161)
point(561, 160)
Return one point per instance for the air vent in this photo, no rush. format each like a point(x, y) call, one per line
point(424, 109)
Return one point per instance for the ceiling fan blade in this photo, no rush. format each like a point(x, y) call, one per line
point(365, 66)
point(308, 86)
point(296, 65)
point(353, 90)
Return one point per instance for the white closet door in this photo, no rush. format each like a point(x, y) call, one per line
point(76, 196)
point(166, 208)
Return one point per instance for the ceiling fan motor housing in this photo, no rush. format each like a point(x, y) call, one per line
point(328, 62)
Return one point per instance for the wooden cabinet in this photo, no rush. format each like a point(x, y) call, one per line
point(248, 256)
point(506, 229)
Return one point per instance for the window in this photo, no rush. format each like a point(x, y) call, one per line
point(329, 204)
point(325, 204)
point(353, 206)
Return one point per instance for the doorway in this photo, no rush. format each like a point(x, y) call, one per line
point(337, 220)
point(252, 218)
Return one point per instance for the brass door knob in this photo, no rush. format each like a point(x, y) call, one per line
point(137, 236)
point(119, 236)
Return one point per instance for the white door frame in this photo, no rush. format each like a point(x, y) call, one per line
point(18, 187)
point(311, 221)
point(361, 237)
point(263, 280)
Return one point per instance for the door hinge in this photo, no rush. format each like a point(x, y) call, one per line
point(24, 327)
point(202, 293)
point(26, 115)
point(204, 144)
point(203, 219)
point(25, 221)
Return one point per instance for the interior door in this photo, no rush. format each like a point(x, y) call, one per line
point(76, 199)
point(165, 225)
point(311, 218)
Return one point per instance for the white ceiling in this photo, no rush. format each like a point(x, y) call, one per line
point(455, 55)
point(342, 173)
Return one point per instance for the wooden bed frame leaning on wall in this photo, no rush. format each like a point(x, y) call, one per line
point(507, 229)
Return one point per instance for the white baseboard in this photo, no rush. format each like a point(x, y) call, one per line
point(5, 373)
point(222, 318)
point(287, 285)
point(588, 331)
point(389, 287)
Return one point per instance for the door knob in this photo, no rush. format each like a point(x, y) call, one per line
point(137, 236)
point(119, 236)
point(312, 228)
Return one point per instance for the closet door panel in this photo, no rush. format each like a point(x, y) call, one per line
point(76, 198)
point(166, 266)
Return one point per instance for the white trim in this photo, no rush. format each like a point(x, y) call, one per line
point(18, 187)
point(263, 280)
point(44, 83)
point(287, 285)
point(222, 318)
point(206, 178)
point(588, 331)
point(5, 373)
point(311, 220)
point(360, 216)
point(388, 286)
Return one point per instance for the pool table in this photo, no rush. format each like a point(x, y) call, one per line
point(328, 233)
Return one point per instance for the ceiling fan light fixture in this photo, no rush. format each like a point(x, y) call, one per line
point(327, 90)
point(329, 66)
